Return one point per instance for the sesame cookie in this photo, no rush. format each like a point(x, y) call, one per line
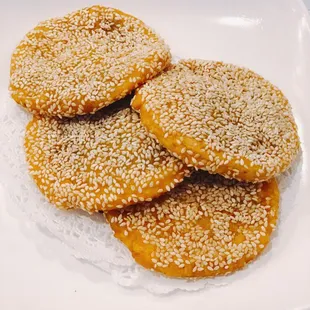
point(84, 61)
point(98, 162)
point(221, 118)
point(207, 226)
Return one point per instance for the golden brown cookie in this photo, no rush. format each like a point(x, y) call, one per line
point(206, 226)
point(221, 118)
point(84, 61)
point(99, 162)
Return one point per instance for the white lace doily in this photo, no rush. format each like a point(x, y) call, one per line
point(90, 237)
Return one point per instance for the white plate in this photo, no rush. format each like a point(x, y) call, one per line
point(270, 37)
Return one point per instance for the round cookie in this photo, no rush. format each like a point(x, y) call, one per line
point(98, 162)
point(207, 226)
point(221, 118)
point(84, 61)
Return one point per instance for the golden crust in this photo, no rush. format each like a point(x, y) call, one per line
point(244, 130)
point(99, 162)
point(84, 61)
point(207, 226)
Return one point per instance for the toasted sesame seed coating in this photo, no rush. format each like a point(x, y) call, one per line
point(84, 61)
point(206, 226)
point(99, 162)
point(221, 118)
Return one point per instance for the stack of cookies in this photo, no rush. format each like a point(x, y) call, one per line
point(185, 173)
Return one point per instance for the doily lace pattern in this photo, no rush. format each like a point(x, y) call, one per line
point(89, 237)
